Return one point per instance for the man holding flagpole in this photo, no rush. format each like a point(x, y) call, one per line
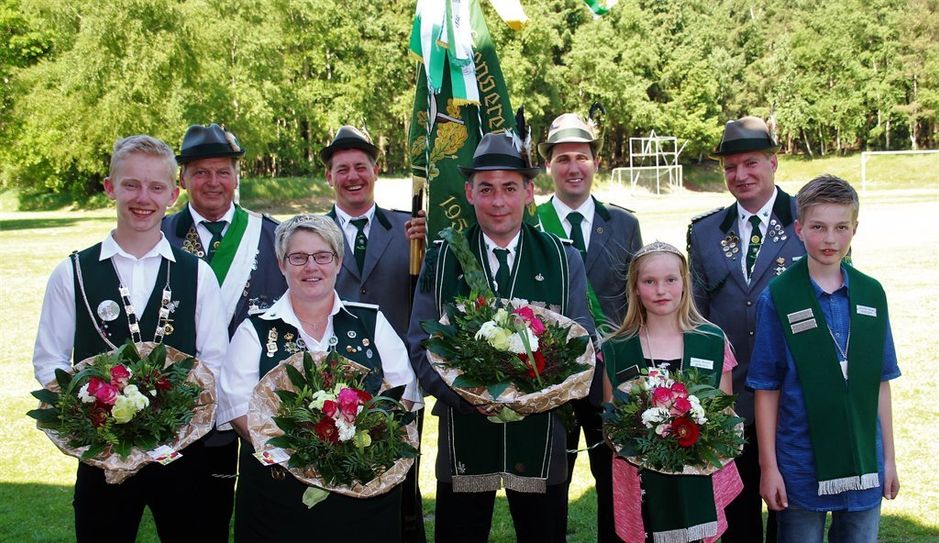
point(606, 237)
point(238, 244)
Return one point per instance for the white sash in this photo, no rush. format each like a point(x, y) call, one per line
point(242, 266)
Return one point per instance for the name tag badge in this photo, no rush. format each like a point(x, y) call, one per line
point(627, 374)
point(803, 326)
point(701, 363)
point(800, 315)
point(866, 310)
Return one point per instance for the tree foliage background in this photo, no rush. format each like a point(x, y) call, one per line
point(284, 74)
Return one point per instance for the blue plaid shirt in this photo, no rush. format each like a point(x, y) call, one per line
point(772, 368)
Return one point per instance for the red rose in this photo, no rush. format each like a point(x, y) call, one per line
point(119, 375)
point(329, 408)
point(680, 407)
point(163, 384)
point(679, 390)
point(326, 430)
point(539, 363)
point(364, 397)
point(661, 397)
point(685, 431)
point(480, 302)
point(98, 415)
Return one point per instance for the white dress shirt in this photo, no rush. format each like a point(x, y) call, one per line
point(586, 209)
point(745, 228)
point(56, 336)
point(205, 237)
point(349, 230)
point(493, 259)
point(242, 372)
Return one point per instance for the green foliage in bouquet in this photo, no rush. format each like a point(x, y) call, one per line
point(669, 421)
point(120, 401)
point(493, 344)
point(334, 427)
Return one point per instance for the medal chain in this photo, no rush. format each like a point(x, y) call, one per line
point(133, 322)
point(91, 314)
point(843, 352)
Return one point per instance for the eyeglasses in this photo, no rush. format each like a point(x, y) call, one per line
point(300, 259)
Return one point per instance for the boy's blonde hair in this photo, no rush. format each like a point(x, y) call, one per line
point(827, 189)
point(145, 145)
point(688, 316)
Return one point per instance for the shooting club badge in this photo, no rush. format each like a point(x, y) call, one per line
point(108, 310)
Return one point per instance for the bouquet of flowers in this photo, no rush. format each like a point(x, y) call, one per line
point(126, 408)
point(673, 423)
point(513, 353)
point(313, 416)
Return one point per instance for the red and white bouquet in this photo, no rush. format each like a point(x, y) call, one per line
point(673, 423)
point(126, 408)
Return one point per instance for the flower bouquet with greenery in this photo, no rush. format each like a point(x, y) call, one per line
point(124, 409)
point(312, 415)
point(513, 354)
point(673, 423)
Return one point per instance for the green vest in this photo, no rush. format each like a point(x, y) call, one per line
point(354, 329)
point(680, 506)
point(842, 413)
point(485, 455)
point(101, 284)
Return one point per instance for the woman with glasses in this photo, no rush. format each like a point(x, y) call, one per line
point(309, 316)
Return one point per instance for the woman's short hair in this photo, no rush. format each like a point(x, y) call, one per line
point(321, 225)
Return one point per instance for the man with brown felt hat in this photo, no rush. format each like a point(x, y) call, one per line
point(238, 244)
point(476, 456)
point(607, 236)
point(734, 252)
point(377, 241)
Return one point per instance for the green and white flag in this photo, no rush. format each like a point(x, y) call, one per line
point(460, 96)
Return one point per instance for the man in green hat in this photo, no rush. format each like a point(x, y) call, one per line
point(239, 246)
point(734, 252)
point(475, 456)
point(606, 236)
point(376, 270)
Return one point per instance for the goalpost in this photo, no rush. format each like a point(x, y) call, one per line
point(866, 155)
point(664, 150)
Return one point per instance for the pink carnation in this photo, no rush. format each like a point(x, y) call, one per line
point(349, 403)
point(533, 322)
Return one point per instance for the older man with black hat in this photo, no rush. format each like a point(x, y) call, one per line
point(238, 244)
point(607, 236)
point(475, 456)
point(376, 270)
point(734, 252)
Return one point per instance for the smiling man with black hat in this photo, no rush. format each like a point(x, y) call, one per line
point(475, 456)
point(239, 246)
point(734, 252)
point(376, 270)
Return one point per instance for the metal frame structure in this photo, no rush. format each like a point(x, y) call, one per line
point(665, 151)
point(865, 155)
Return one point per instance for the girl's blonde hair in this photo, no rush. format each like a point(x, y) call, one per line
point(688, 316)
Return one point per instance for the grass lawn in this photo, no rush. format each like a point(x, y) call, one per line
point(896, 243)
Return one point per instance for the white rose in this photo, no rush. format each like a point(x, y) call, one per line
point(501, 316)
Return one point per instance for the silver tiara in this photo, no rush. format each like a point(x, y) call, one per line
point(658, 247)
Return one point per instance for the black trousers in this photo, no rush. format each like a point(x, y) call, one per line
point(587, 418)
point(412, 509)
point(466, 517)
point(175, 493)
point(745, 513)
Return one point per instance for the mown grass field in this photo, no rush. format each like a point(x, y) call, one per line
point(897, 243)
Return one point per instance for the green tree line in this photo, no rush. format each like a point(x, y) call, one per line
point(284, 74)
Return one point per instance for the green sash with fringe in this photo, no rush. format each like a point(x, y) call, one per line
point(678, 508)
point(485, 456)
point(842, 413)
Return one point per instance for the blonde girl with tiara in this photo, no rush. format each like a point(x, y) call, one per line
point(662, 327)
